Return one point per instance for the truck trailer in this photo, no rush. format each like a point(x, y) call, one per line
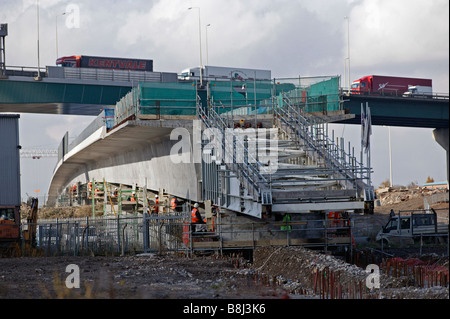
point(389, 85)
point(419, 91)
point(10, 200)
point(218, 73)
point(96, 62)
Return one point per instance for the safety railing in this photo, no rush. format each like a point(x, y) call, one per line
point(28, 71)
point(310, 133)
point(103, 74)
point(248, 170)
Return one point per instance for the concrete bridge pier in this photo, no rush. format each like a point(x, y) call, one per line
point(441, 136)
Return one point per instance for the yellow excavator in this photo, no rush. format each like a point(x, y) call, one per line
point(12, 243)
point(29, 234)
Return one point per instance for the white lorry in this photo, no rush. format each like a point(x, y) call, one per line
point(413, 227)
point(419, 91)
point(218, 73)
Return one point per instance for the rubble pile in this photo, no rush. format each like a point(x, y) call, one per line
point(303, 271)
point(390, 196)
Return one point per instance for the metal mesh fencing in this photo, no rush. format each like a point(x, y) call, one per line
point(110, 235)
point(311, 94)
point(100, 235)
point(173, 232)
point(168, 99)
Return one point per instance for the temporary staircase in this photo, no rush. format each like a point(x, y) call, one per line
point(294, 167)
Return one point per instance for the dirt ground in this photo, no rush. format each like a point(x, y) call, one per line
point(149, 276)
point(144, 276)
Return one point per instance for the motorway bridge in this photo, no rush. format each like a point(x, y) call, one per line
point(87, 92)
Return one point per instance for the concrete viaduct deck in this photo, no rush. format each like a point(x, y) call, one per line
point(400, 111)
point(135, 152)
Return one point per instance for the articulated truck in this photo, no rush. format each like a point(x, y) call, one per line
point(391, 85)
point(218, 73)
point(96, 62)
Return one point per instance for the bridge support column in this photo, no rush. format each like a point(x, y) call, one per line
point(441, 136)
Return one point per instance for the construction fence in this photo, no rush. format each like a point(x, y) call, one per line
point(173, 232)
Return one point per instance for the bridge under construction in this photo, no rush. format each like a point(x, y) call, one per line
point(252, 147)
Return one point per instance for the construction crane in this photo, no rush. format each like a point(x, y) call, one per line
point(36, 153)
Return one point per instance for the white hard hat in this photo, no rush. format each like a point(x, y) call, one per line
point(156, 196)
point(196, 205)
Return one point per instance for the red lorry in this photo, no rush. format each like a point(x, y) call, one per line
point(84, 61)
point(390, 85)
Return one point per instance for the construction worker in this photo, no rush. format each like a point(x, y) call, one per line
point(156, 209)
point(196, 219)
point(115, 193)
point(133, 197)
point(173, 203)
point(286, 220)
point(89, 189)
point(392, 213)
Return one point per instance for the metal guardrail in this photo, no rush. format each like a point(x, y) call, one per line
point(436, 95)
point(25, 71)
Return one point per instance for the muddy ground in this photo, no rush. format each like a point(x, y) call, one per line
point(145, 276)
point(277, 273)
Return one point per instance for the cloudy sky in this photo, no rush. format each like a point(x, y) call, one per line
point(290, 37)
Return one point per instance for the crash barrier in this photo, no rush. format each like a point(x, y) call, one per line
point(173, 233)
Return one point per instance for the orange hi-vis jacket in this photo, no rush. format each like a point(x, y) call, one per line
point(173, 203)
point(194, 217)
point(157, 206)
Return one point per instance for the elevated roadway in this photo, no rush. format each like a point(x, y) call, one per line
point(55, 96)
point(399, 111)
point(82, 92)
point(417, 112)
point(70, 91)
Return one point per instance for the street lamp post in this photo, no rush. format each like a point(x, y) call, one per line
point(200, 39)
point(207, 54)
point(348, 48)
point(390, 159)
point(39, 60)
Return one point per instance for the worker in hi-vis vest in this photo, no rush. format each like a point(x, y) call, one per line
point(156, 207)
point(173, 203)
point(286, 220)
point(196, 219)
